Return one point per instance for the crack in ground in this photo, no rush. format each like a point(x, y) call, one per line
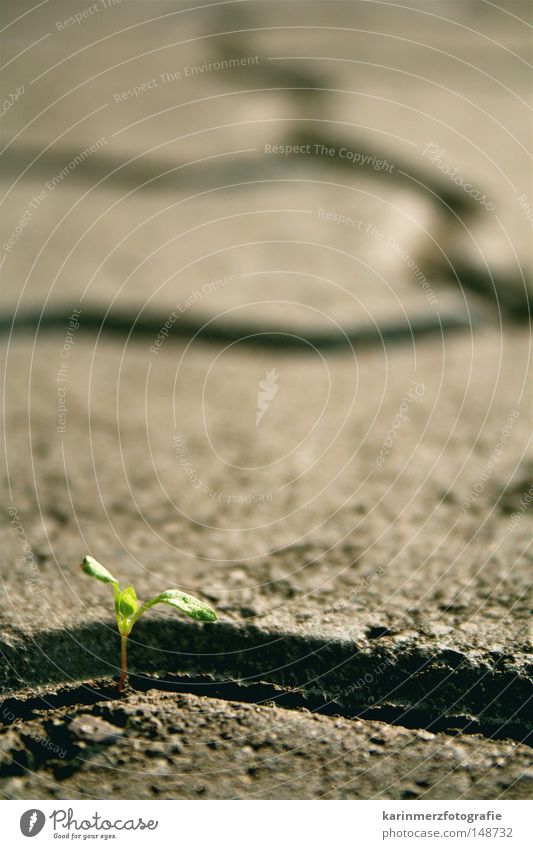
point(258, 693)
point(408, 685)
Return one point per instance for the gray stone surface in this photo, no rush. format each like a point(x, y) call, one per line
point(368, 543)
point(276, 252)
point(355, 566)
point(141, 239)
point(161, 746)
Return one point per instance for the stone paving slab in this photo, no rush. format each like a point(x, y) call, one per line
point(134, 415)
point(167, 746)
point(367, 541)
point(370, 576)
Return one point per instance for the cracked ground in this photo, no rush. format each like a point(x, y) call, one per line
point(259, 345)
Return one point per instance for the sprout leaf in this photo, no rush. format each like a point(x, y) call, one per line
point(95, 569)
point(187, 604)
point(127, 603)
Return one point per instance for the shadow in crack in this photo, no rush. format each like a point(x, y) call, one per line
point(405, 685)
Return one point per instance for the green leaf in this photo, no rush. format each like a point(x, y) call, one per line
point(187, 604)
point(95, 569)
point(127, 603)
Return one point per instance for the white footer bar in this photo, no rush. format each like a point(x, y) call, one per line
point(262, 824)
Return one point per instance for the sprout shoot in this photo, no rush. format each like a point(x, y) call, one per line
point(128, 611)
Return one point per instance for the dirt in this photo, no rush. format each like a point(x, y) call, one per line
point(180, 746)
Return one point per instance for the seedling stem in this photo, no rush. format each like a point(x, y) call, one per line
point(124, 659)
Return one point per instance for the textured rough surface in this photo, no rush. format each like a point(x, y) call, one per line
point(365, 610)
point(154, 475)
point(359, 517)
point(159, 746)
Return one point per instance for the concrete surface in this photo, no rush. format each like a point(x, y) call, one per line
point(367, 543)
point(187, 747)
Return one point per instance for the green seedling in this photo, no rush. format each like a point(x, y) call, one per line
point(127, 609)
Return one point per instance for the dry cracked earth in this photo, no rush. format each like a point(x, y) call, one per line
point(295, 384)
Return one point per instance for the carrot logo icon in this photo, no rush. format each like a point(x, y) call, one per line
point(32, 822)
point(267, 390)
